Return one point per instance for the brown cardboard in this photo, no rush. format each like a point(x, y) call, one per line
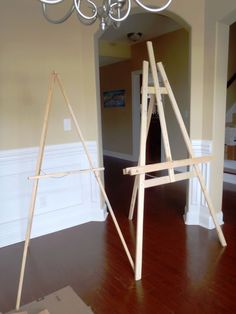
point(64, 301)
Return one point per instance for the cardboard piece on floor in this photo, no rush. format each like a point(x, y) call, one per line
point(64, 301)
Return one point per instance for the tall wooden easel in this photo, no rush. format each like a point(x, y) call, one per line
point(141, 183)
point(56, 78)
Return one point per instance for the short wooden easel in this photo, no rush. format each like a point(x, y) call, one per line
point(141, 183)
point(56, 78)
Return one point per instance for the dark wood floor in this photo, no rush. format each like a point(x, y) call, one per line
point(185, 270)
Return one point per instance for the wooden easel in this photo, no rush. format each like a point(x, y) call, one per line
point(56, 78)
point(141, 183)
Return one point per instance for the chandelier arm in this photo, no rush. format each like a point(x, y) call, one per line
point(60, 20)
point(153, 9)
point(51, 1)
point(86, 17)
point(85, 21)
point(120, 19)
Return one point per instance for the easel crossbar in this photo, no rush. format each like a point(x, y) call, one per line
point(63, 174)
point(132, 171)
point(166, 179)
point(151, 90)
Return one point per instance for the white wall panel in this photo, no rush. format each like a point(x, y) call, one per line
point(61, 202)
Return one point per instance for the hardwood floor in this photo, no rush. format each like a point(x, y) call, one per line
point(185, 270)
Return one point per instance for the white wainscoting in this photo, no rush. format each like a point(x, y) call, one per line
point(196, 211)
point(61, 202)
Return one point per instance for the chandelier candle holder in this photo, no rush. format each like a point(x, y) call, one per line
point(110, 12)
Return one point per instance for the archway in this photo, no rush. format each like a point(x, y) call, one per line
point(173, 49)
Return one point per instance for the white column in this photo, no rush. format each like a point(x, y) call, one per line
point(196, 210)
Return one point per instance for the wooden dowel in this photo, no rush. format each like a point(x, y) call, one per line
point(210, 206)
point(35, 188)
point(162, 119)
point(151, 90)
point(142, 161)
point(191, 153)
point(176, 109)
point(63, 174)
point(166, 179)
point(165, 165)
point(95, 173)
point(135, 187)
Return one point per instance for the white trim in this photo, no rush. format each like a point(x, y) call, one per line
point(118, 155)
point(61, 203)
point(200, 216)
point(196, 210)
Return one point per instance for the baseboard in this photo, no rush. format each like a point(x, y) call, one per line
point(119, 155)
point(229, 178)
point(14, 231)
point(61, 203)
point(202, 217)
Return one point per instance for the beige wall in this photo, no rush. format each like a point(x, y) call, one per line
point(218, 16)
point(30, 49)
point(173, 50)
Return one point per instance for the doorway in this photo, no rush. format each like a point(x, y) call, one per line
point(230, 122)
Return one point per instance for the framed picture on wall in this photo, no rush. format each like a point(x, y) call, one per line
point(114, 98)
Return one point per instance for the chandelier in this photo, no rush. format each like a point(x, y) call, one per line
point(110, 12)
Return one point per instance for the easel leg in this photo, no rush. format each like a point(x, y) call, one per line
point(139, 238)
point(26, 245)
point(190, 151)
point(141, 180)
point(210, 206)
point(162, 119)
point(95, 173)
point(135, 187)
point(35, 189)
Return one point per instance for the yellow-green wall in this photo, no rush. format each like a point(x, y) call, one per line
point(117, 121)
point(173, 50)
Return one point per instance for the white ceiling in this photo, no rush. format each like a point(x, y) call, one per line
point(151, 25)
